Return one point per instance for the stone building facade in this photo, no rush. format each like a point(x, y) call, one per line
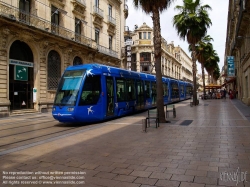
point(238, 46)
point(175, 62)
point(40, 38)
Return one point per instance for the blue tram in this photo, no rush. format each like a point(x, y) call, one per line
point(94, 92)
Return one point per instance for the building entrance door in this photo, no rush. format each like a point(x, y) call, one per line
point(21, 91)
point(21, 76)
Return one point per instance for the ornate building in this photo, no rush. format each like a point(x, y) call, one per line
point(175, 62)
point(40, 38)
point(237, 76)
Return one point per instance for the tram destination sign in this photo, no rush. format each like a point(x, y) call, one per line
point(21, 73)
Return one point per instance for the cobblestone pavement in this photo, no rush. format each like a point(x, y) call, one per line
point(204, 146)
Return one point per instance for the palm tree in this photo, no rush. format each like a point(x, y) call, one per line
point(203, 49)
point(216, 73)
point(155, 8)
point(211, 63)
point(192, 23)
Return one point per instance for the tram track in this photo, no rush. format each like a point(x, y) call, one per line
point(16, 132)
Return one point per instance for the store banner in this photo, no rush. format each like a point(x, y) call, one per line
point(230, 66)
point(21, 73)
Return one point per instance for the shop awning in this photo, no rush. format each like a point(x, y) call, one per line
point(212, 86)
point(229, 80)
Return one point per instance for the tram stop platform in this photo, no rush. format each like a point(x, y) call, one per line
point(204, 146)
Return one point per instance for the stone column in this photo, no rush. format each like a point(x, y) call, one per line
point(4, 101)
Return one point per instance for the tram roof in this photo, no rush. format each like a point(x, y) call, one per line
point(96, 68)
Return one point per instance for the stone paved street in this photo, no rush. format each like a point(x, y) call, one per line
point(214, 150)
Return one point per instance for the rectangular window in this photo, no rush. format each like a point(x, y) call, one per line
point(149, 35)
point(97, 3)
point(165, 89)
point(110, 41)
point(120, 88)
point(145, 57)
point(97, 35)
point(54, 15)
point(140, 35)
point(130, 89)
point(144, 35)
point(78, 25)
point(91, 91)
point(54, 20)
point(110, 10)
point(147, 89)
point(24, 10)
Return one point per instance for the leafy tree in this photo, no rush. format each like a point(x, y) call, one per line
point(155, 7)
point(192, 23)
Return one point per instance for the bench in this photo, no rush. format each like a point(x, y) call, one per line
point(152, 114)
point(173, 110)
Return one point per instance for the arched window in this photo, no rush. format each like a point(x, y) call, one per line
point(77, 61)
point(54, 70)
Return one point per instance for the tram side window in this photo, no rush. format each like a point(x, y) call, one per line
point(91, 91)
point(175, 90)
point(165, 89)
point(130, 89)
point(154, 93)
point(182, 89)
point(147, 89)
point(120, 89)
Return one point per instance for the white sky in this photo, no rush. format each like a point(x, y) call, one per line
point(217, 31)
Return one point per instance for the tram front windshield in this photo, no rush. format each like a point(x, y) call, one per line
point(69, 87)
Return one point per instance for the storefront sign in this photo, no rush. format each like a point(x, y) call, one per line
point(230, 66)
point(21, 73)
point(128, 43)
point(21, 63)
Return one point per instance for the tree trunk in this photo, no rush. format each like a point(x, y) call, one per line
point(203, 79)
point(157, 53)
point(194, 75)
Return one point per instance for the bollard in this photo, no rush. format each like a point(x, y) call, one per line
point(174, 111)
point(144, 125)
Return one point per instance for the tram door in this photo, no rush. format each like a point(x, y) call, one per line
point(110, 96)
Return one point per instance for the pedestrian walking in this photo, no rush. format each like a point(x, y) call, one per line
point(225, 93)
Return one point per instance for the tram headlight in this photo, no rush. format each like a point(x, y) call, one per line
point(70, 109)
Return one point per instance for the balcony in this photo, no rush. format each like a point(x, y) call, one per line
point(111, 25)
point(14, 14)
point(125, 11)
point(98, 16)
point(79, 7)
point(107, 51)
point(58, 3)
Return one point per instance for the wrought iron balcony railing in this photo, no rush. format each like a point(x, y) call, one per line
point(98, 11)
point(13, 13)
point(107, 51)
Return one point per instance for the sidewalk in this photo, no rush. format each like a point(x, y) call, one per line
point(204, 146)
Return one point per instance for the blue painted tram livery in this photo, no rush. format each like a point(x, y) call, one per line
point(94, 92)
